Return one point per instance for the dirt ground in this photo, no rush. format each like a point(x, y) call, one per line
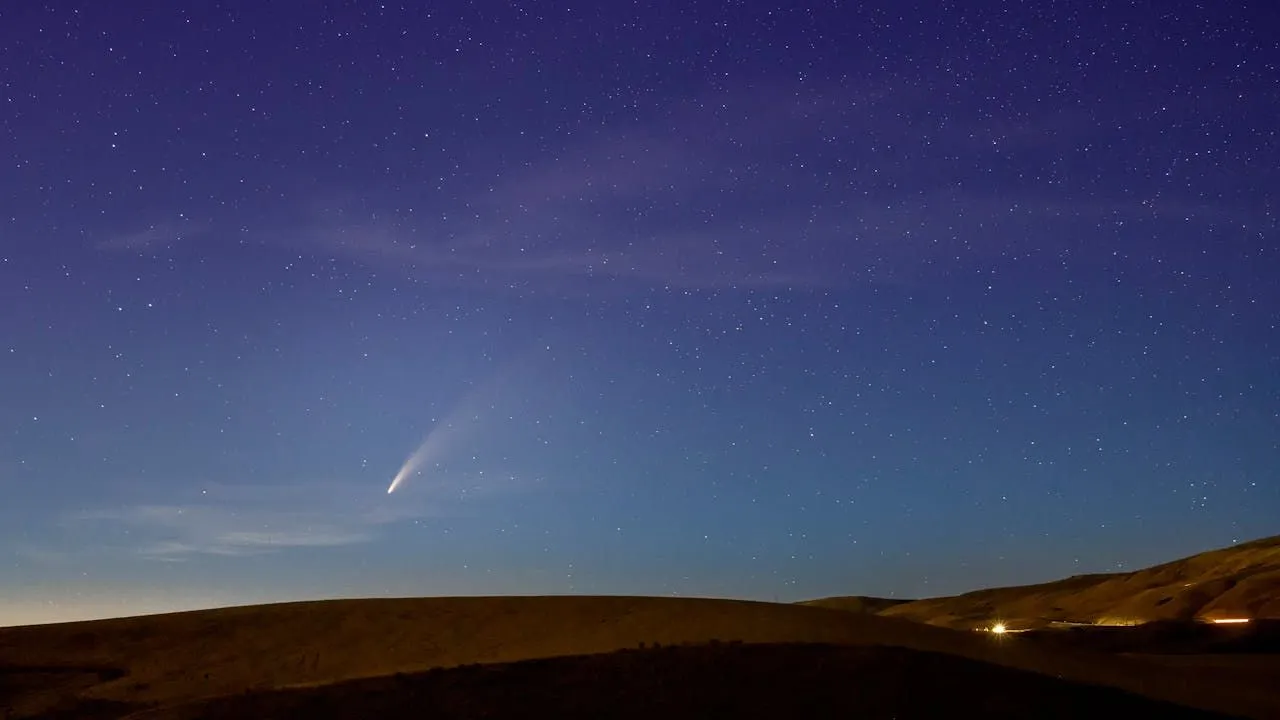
point(729, 681)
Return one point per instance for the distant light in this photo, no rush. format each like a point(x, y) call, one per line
point(1230, 621)
point(1117, 622)
point(999, 629)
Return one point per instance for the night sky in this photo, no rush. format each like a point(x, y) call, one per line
point(689, 298)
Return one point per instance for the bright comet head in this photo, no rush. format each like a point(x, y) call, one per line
point(395, 482)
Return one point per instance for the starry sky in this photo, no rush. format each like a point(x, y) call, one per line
point(771, 301)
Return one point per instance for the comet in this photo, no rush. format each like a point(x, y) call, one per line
point(435, 445)
point(464, 419)
point(465, 416)
point(414, 462)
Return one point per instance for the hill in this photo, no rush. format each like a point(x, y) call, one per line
point(854, 603)
point(108, 668)
point(1241, 581)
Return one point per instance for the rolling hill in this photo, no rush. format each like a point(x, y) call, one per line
point(854, 603)
point(111, 668)
point(633, 656)
point(1241, 581)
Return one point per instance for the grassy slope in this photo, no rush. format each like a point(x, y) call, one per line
point(1238, 581)
point(1242, 580)
point(166, 659)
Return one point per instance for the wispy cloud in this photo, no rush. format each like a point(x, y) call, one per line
point(219, 532)
point(42, 556)
point(700, 194)
point(782, 183)
point(777, 184)
point(677, 259)
point(245, 520)
point(153, 237)
point(219, 528)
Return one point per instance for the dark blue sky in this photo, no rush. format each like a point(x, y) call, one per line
point(694, 298)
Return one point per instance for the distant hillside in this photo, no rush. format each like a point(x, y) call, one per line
point(1237, 581)
point(854, 603)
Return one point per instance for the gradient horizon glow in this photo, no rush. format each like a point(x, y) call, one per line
point(748, 300)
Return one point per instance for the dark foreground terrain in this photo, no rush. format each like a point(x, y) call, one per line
point(709, 681)
point(1259, 638)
